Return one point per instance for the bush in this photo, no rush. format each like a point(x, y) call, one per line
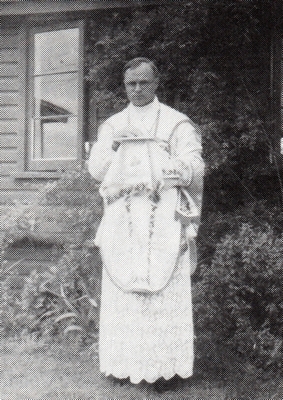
point(238, 299)
point(78, 193)
point(64, 298)
point(55, 301)
point(216, 224)
point(71, 203)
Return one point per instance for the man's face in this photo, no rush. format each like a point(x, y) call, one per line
point(140, 85)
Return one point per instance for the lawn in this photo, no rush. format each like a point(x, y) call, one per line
point(36, 370)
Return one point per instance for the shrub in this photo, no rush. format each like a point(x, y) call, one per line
point(78, 193)
point(238, 299)
point(50, 300)
point(216, 224)
point(12, 320)
point(54, 301)
point(71, 203)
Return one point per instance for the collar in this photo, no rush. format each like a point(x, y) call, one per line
point(152, 107)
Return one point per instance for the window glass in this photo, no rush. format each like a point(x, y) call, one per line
point(56, 94)
point(55, 99)
point(56, 51)
point(57, 138)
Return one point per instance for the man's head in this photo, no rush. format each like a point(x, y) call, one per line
point(141, 79)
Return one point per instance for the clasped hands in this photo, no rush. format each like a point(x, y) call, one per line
point(129, 132)
point(132, 132)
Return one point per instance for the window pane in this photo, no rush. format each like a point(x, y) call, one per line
point(56, 51)
point(56, 94)
point(55, 138)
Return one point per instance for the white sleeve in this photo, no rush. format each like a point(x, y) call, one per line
point(101, 153)
point(185, 149)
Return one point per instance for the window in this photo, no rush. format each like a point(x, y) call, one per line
point(55, 106)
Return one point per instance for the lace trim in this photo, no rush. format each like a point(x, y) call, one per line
point(138, 189)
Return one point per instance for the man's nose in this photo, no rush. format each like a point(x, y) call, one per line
point(137, 87)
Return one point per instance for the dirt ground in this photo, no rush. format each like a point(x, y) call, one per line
point(33, 370)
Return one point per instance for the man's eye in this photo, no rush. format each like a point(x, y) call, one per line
point(141, 83)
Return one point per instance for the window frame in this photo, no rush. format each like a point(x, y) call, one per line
point(280, 128)
point(277, 116)
point(53, 165)
point(276, 84)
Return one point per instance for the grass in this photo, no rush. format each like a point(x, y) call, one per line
point(35, 370)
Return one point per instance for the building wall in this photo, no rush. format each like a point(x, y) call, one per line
point(17, 195)
point(10, 97)
point(12, 118)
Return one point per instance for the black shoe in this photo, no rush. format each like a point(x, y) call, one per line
point(162, 385)
point(118, 381)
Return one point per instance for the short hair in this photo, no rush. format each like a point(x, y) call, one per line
point(136, 62)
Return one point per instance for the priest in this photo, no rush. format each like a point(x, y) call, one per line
point(148, 158)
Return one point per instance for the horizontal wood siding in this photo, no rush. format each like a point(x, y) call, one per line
point(32, 258)
point(32, 253)
point(9, 55)
point(8, 112)
point(9, 39)
point(8, 155)
point(9, 70)
point(48, 226)
point(9, 98)
point(8, 182)
point(8, 84)
point(8, 169)
point(8, 140)
point(11, 189)
point(8, 126)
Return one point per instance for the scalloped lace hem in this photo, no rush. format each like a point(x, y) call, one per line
point(136, 379)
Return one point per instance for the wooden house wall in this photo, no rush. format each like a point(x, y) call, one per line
point(9, 86)
point(12, 120)
point(16, 195)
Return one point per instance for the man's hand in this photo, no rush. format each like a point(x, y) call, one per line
point(171, 182)
point(129, 131)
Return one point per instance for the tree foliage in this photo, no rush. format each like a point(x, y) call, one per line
point(214, 63)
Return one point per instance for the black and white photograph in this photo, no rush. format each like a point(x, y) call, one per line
point(141, 200)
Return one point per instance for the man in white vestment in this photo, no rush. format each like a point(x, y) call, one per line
point(148, 158)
